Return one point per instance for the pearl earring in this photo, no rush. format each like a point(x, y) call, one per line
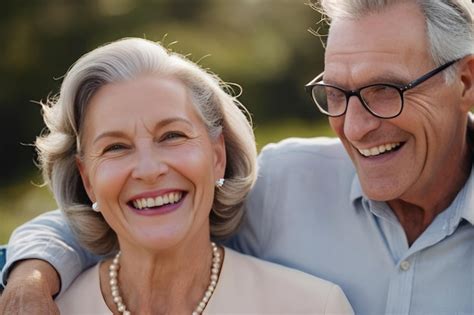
point(220, 182)
point(95, 207)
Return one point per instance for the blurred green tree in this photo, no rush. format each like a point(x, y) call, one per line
point(263, 45)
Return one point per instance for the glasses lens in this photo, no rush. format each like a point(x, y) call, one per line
point(382, 100)
point(330, 100)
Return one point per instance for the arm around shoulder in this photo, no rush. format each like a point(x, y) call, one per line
point(31, 287)
point(48, 238)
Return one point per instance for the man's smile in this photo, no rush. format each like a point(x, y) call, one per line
point(380, 149)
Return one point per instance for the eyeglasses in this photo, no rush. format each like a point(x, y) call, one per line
point(383, 100)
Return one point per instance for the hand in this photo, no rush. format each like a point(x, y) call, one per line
point(30, 289)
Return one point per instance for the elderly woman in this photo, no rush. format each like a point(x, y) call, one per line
point(149, 158)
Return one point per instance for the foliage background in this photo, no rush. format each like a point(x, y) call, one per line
point(263, 45)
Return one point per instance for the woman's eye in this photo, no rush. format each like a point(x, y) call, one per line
point(114, 147)
point(172, 135)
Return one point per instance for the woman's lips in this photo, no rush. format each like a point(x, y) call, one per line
point(161, 204)
point(158, 201)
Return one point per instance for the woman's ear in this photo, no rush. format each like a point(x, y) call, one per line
point(85, 178)
point(220, 157)
point(466, 72)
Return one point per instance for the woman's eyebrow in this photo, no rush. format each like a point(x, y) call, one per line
point(172, 120)
point(158, 125)
point(109, 134)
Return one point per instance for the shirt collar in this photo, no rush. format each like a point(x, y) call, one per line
point(466, 198)
point(464, 201)
point(356, 189)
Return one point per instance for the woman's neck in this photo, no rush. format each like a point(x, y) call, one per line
point(171, 282)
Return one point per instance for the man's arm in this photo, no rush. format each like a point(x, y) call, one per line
point(32, 283)
point(254, 231)
point(49, 240)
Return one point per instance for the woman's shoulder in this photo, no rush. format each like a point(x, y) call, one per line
point(269, 287)
point(275, 272)
point(84, 295)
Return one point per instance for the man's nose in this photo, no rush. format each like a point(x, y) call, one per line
point(358, 121)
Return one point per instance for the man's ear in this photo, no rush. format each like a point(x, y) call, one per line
point(220, 158)
point(466, 72)
point(85, 179)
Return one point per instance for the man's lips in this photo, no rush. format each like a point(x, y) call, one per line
point(380, 149)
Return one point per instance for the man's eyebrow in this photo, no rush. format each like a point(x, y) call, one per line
point(388, 77)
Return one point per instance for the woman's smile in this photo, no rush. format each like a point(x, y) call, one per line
point(157, 203)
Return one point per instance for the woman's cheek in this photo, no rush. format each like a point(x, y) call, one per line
point(109, 174)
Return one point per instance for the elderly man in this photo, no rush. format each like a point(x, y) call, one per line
point(390, 218)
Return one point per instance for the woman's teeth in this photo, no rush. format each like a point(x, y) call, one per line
point(379, 149)
point(157, 201)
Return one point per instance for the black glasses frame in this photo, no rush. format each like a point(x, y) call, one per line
point(348, 93)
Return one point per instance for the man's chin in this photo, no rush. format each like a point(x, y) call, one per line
point(381, 191)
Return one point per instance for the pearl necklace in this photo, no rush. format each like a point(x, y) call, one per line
point(122, 308)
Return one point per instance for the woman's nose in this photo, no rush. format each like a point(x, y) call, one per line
point(149, 165)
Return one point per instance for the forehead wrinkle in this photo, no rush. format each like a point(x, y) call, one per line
point(359, 51)
point(344, 74)
point(389, 77)
point(345, 51)
point(164, 122)
point(150, 129)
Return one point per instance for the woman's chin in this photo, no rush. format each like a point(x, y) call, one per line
point(154, 238)
point(161, 232)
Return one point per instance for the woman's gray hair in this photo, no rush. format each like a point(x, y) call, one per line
point(449, 23)
point(125, 60)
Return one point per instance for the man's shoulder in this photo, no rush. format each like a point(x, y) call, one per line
point(306, 150)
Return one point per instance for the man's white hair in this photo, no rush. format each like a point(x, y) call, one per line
point(449, 23)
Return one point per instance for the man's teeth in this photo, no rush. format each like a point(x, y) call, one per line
point(158, 201)
point(378, 150)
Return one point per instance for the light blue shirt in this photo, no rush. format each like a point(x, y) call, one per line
point(308, 211)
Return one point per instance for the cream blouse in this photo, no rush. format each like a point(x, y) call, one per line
point(246, 286)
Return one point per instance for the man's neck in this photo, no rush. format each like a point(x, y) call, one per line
point(414, 219)
point(416, 212)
